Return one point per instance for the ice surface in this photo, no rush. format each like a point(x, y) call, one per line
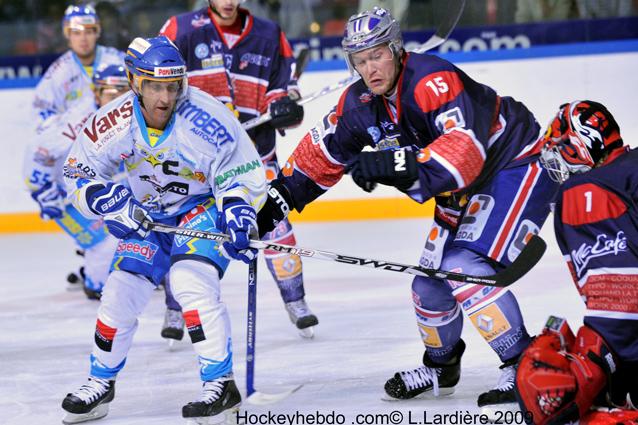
point(367, 331)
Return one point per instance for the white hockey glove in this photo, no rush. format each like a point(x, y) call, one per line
point(123, 214)
point(239, 221)
point(51, 200)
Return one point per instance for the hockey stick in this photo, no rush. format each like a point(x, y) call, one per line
point(454, 12)
point(528, 257)
point(253, 396)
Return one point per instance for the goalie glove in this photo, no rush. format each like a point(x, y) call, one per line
point(51, 201)
point(396, 168)
point(123, 215)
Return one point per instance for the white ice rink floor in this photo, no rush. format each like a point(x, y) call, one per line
point(367, 331)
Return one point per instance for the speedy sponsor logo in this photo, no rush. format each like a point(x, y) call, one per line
point(242, 169)
point(74, 170)
point(108, 121)
point(604, 246)
point(143, 251)
point(205, 125)
point(170, 71)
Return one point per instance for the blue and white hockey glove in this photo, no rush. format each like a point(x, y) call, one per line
point(123, 214)
point(51, 200)
point(239, 221)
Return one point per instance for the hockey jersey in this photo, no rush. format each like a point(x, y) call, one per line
point(66, 82)
point(462, 130)
point(202, 152)
point(596, 225)
point(257, 69)
point(45, 155)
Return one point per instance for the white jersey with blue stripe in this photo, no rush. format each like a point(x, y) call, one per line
point(66, 83)
point(202, 152)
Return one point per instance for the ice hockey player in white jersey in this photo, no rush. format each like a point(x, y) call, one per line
point(42, 172)
point(68, 81)
point(188, 162)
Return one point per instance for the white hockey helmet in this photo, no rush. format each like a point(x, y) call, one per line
point(368, 29)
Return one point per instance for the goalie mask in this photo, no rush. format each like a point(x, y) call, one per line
point(579, 138)
point(369, 29)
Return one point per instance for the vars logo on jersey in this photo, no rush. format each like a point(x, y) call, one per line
point(450, 119)
point(98, 131)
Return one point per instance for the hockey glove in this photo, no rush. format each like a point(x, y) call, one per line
point(123, 214)
point(277, 207)
point(51, 201)
point(239, 221)
point(285, 113)
point(396, 168)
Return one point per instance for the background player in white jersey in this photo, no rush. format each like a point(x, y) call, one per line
point(68, 81)
point(42, 172)
point(188, 163)
point(560, 376)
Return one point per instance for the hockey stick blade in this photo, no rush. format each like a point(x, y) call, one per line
point(259, 398)
point(453, 14)
point(528, 257)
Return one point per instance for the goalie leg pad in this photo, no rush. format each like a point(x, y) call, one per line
point(556, 386)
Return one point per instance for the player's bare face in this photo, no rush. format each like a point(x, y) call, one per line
point(159, 101)
point(377, 67)
point(225, 11)
point(83, 42)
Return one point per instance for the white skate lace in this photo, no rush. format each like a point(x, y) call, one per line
point(173, 319)
point(298, 308)
point(507, 379)
point(421, 377)
point(212, 390)
point(93, 390)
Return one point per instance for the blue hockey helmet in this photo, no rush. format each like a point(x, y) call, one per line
point(154, 59)
point(111, 76)
point(79, 18)
point(369, 29)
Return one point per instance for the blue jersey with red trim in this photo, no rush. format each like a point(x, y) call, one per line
point(596, 225)
point(463, 131)
point(251, 72)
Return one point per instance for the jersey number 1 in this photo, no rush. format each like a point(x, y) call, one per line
point(588, 197)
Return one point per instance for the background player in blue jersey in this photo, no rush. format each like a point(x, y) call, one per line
point(435, 132)
point(596, 223)
point(247, 63)
point(181, 149)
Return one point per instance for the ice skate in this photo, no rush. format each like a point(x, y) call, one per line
point(431, 377)
point(218, 404)
point(89, 402)
point(75, 280)
point(173, 327)
point(301, 316)
point(502, 397)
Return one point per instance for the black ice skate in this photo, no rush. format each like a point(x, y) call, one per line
point(438, 378)
point(173, 328)
point(502, 397)
point(75, 280)
point(218, 403)
point(89, 402)
point(301, 316)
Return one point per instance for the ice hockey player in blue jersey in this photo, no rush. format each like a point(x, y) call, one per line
point(247, 63)
point(435, 132)
point(188, 163)
point(42, 171)
point(560, 375)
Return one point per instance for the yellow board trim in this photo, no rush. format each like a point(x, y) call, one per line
point(332, 210)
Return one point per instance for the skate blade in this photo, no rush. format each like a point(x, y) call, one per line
point(75, 418)
point(443, 392)
point(172, 346)
point(227, 417)
point(259, 398)
point(496, 412)
point(307, 333)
